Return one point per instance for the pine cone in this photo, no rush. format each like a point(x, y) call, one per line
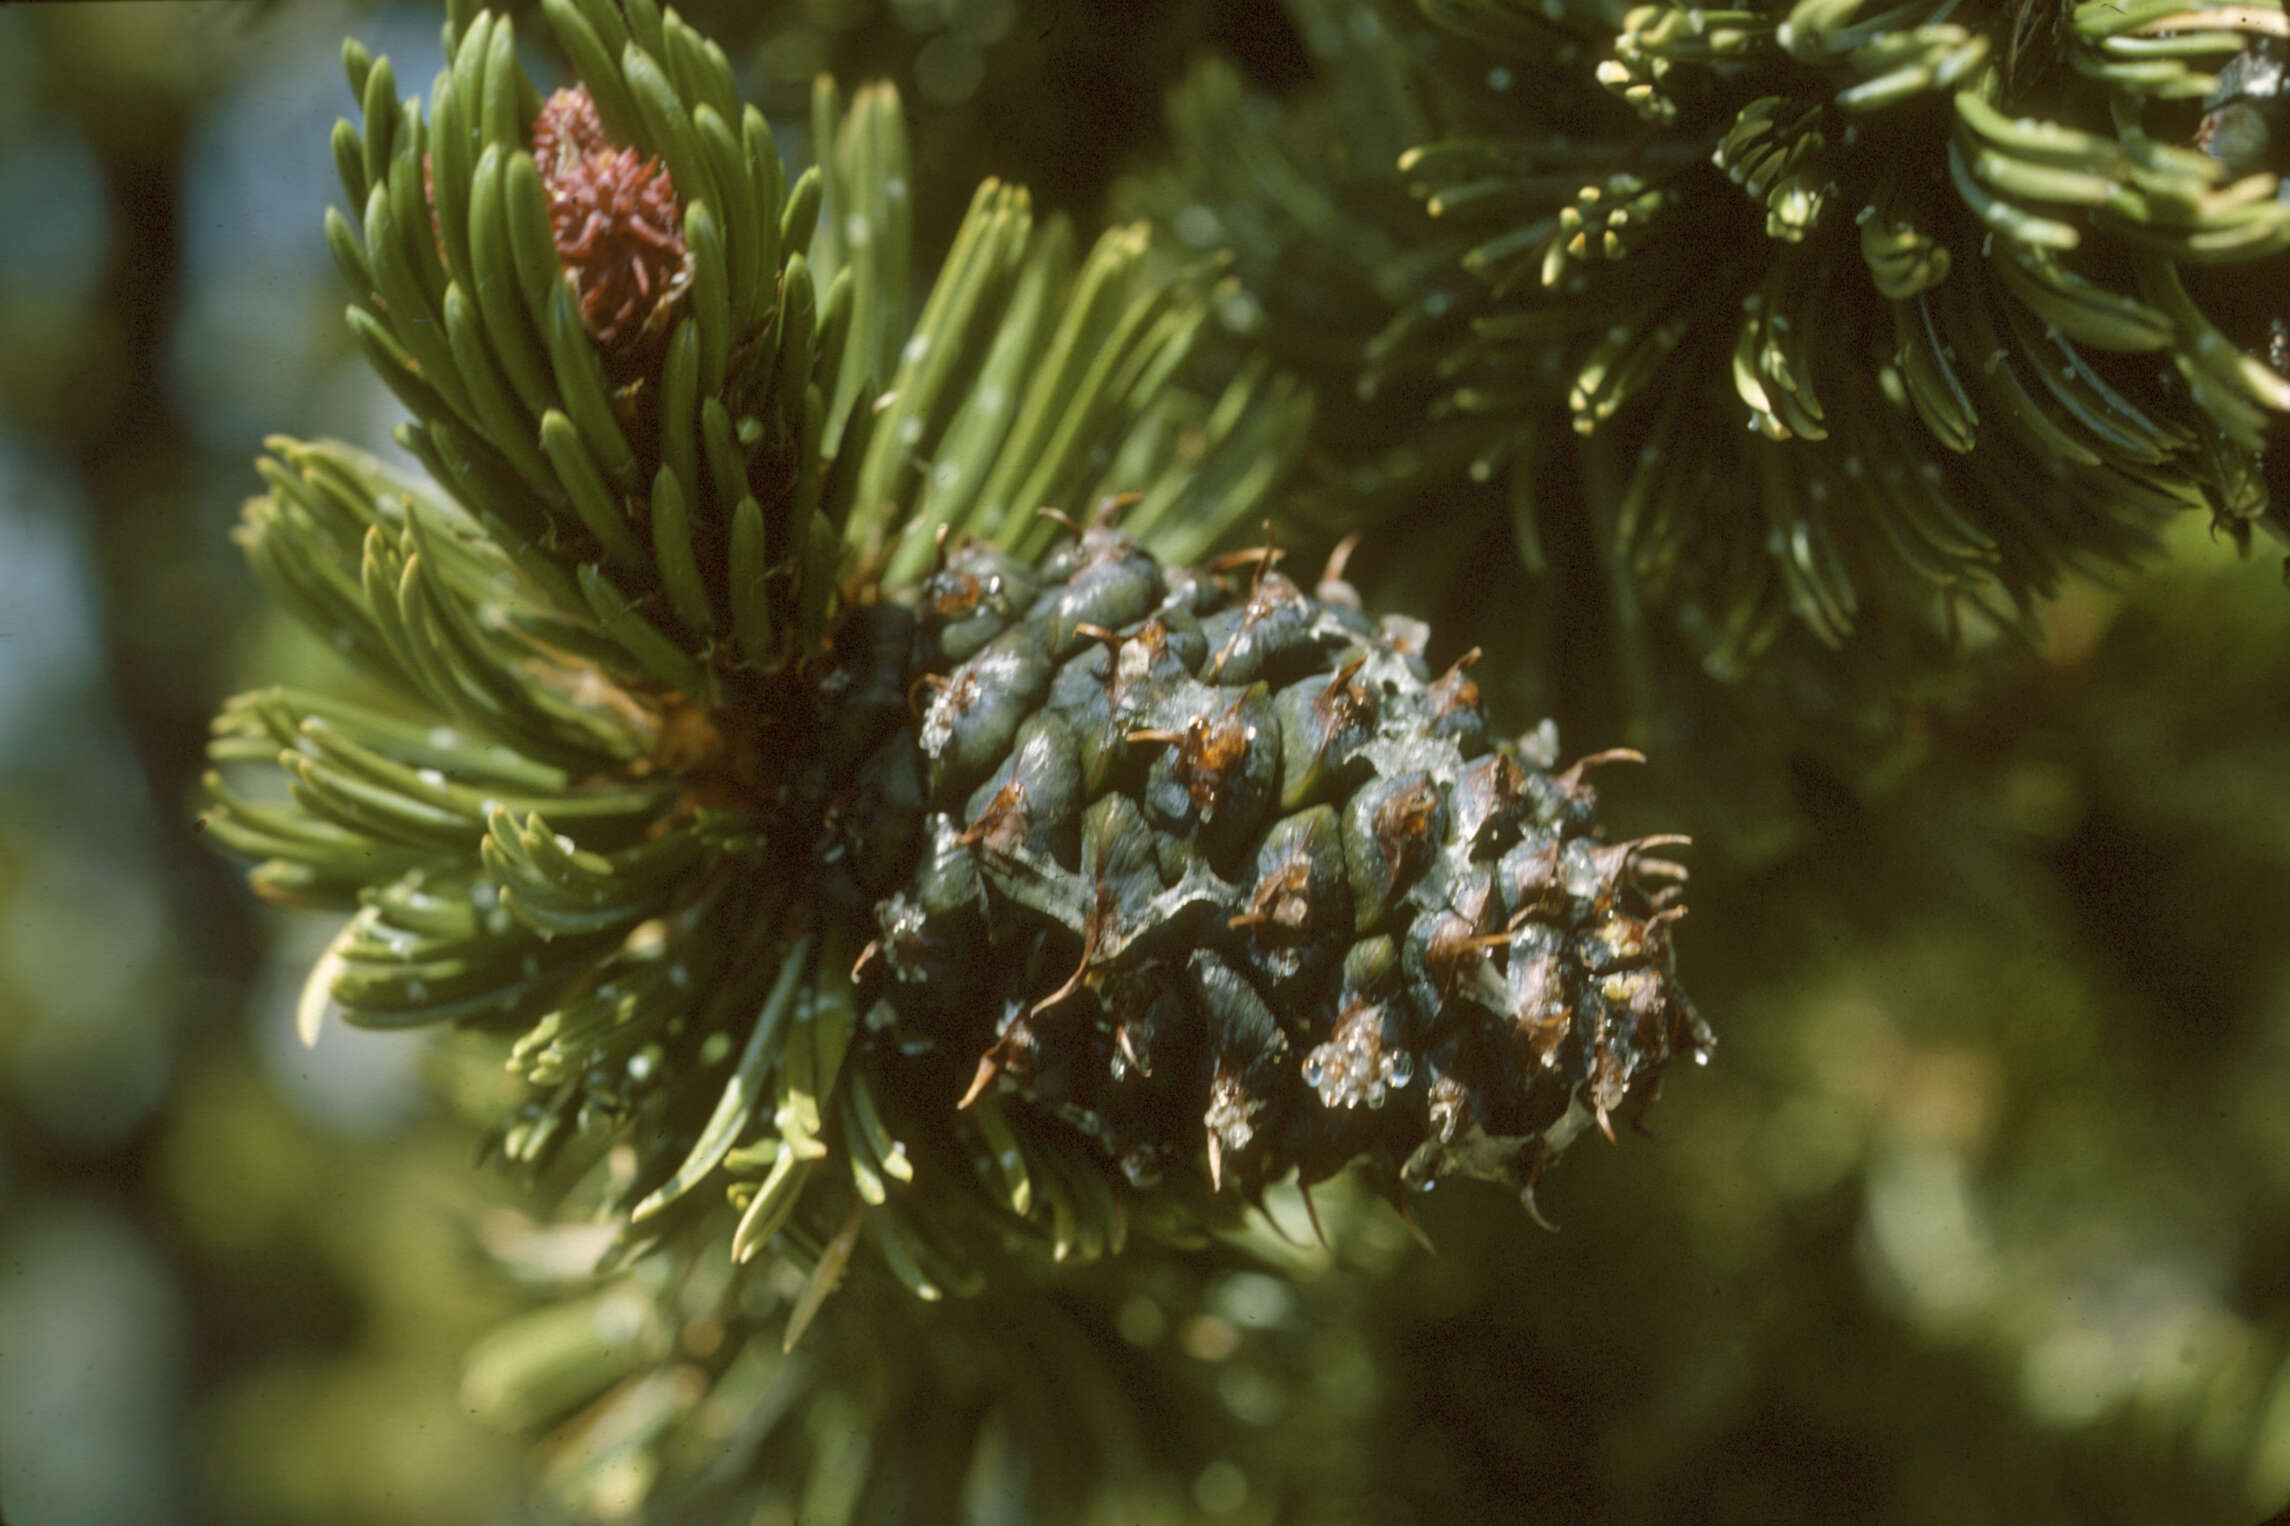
point(617, 227)
point(1306, 912)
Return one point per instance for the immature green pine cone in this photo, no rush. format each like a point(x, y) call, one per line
point(1305, 912)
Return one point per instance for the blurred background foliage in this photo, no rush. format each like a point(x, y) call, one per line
point(1981, 1214)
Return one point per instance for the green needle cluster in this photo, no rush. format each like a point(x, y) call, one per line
point(1866, 323)
point(605, 676)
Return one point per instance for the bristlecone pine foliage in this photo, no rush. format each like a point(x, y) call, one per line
point(1858, 319)
point(831, 832)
